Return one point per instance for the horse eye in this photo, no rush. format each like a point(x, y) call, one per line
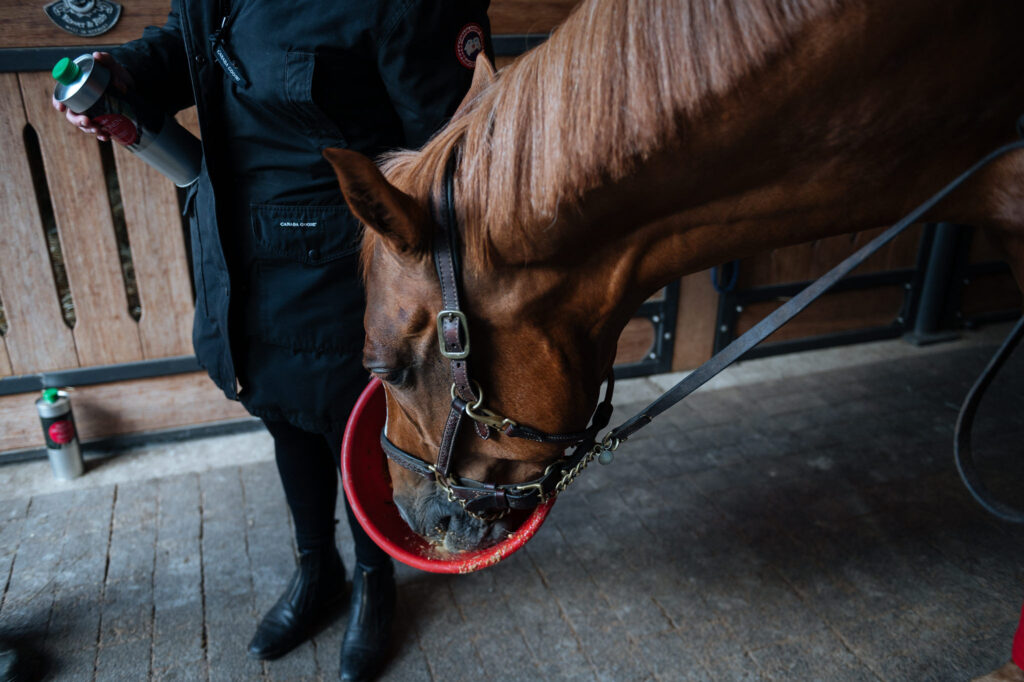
point(395, 377)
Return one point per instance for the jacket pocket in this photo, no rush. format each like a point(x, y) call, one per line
point(306, 292)
point(304, 234)
point(300, 68)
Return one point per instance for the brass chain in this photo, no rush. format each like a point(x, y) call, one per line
point(447, 484)
point(607, 444)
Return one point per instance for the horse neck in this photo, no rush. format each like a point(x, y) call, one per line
point(804, 147)
point(616, 84)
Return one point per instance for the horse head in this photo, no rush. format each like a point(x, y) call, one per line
point(542, 377)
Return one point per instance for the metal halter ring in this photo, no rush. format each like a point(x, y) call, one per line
point(479, 391)
point(481, 414)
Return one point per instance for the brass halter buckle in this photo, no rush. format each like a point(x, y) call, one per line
point(460, 317)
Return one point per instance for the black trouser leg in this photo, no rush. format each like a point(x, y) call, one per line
point(310, 482)
point(367, 551)
point(309, 464)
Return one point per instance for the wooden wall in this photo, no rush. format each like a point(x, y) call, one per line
point(834, 312)
point(77, 199)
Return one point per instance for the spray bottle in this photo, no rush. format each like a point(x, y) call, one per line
point(59, 432)
point(84, 86)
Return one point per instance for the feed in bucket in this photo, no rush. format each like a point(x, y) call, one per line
point(364, 474)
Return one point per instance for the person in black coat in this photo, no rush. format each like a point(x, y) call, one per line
point(279, 304)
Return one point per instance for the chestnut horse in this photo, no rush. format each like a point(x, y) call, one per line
point(644, 141)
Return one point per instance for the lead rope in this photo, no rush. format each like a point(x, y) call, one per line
point(962, 453)
point(786, 312)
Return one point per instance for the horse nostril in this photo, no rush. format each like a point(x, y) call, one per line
point(442, 524)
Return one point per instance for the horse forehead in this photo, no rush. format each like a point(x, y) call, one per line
point(395, 277)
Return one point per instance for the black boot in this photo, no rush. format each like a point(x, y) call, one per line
point(369, 622)
point(317, 584)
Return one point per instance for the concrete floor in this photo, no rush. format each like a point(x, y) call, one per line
point(798, 519)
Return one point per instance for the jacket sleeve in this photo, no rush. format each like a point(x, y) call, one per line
point(158, 63)
point(425, 58)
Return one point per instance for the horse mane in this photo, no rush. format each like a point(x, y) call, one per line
point(610, 86)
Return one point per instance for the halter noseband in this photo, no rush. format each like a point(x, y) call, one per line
point(487, 501)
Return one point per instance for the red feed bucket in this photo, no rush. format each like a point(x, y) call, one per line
point(367, 484)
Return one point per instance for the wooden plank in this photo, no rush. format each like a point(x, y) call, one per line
point(122, 408)
point(528, 16)
point(695, 323)
point(26, 25)
point(635, 342)
point(5, 361)
point(991, 293)
point(189, 119)
point(104, 331)
point(37, 338)
point(983, 249)
point(836, 312)
point(158, 252)
point(810, 260)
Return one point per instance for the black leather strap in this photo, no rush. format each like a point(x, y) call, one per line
point(454, 332)
point(485, 497)
point(962, 453)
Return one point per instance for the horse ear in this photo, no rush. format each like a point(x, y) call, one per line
point(384, 208)
point(483, 76)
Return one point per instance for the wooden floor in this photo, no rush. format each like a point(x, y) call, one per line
point(807, 528)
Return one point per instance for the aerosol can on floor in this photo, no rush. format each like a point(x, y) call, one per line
point(54, 408)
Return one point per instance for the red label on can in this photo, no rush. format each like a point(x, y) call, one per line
point(61, 432)
point(120, 128)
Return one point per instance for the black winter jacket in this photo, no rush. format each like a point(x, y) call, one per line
point(279, 304)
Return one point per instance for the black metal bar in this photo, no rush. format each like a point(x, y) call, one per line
point(725, 320)
point(104, 374)
point(958, 278)
point(665, 344)
point(42, 58)
point(662, 314)
point(932, 303)
point(912, 298)
point(132, 440)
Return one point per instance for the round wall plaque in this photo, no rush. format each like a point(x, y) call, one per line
point(84, 17)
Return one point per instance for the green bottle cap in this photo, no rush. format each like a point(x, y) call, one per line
point(50, 395)
point(66, 71)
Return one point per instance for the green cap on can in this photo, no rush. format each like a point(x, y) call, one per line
point(50, 395)
point(66, 71)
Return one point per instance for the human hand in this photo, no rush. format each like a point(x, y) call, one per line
point(121, 79)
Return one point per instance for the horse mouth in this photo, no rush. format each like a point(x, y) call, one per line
point(445, 524)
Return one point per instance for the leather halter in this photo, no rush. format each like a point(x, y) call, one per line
point(485, 500)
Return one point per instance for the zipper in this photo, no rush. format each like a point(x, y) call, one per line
point(221, 53)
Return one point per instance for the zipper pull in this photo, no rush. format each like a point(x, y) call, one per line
point(224, 57)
